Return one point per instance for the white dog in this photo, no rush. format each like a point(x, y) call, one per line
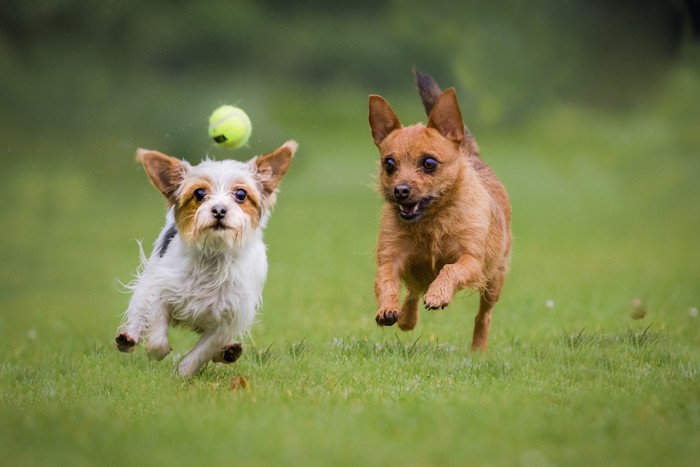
point(209, 265)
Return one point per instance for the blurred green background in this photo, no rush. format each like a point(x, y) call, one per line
point(588, 110)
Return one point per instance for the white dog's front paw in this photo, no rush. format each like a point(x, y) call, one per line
point(228, 354)
point(125, 343)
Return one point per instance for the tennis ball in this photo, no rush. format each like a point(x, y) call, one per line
point(230, 127)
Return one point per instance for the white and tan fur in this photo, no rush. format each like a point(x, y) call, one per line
point(209, 263)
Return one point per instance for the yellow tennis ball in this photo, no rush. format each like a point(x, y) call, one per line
point(230, 127)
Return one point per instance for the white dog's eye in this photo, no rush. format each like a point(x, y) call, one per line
point(199, 194)
point(240, 195)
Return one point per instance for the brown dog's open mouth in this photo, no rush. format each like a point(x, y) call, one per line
point(409, 211)
point(414, 211)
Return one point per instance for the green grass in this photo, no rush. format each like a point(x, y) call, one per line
point(606, 210)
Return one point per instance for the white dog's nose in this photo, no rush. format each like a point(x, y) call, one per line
point(219, 211)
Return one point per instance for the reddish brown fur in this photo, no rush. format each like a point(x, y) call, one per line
point(463, 238)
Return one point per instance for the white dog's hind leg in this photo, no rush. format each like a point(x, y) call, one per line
point(135, 318)
point(157, 345)
point(136, 315)
point(209, 345)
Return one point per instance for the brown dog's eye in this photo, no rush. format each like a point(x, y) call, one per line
point(389, 165)
point(240, 195)
point(429, 164)
point(199, 194)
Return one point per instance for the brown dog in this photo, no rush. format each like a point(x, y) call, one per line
point(445, 223)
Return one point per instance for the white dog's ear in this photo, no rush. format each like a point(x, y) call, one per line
point(166, 173)
point(270, 168)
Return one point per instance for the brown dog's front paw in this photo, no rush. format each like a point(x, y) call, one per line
point(125, 343)
point(435, 304)
point(436, 299)
point(386, 317)
point(432, 305)
point(229, 354)
point(438, 295)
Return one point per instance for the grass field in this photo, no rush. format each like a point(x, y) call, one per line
point(606, 211)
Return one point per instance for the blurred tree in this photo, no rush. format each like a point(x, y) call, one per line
point(508, 57)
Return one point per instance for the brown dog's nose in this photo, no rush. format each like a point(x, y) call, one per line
point(402, 192)
point(219, 211)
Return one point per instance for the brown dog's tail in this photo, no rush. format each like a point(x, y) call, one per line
point(428, 89)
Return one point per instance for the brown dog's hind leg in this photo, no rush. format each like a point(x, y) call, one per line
point(409, 312)
point(482, 323)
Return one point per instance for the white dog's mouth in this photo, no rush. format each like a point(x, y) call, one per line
point(219, 237)
point(221, 234)
point(219, 225)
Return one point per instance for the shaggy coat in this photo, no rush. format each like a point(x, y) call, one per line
point(445, 223)
point(209, 264)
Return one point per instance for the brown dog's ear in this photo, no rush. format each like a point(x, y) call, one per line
point(382, 118)
point(446, 116)
point(428, 89)
point(270, 168)
point(166, 173)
